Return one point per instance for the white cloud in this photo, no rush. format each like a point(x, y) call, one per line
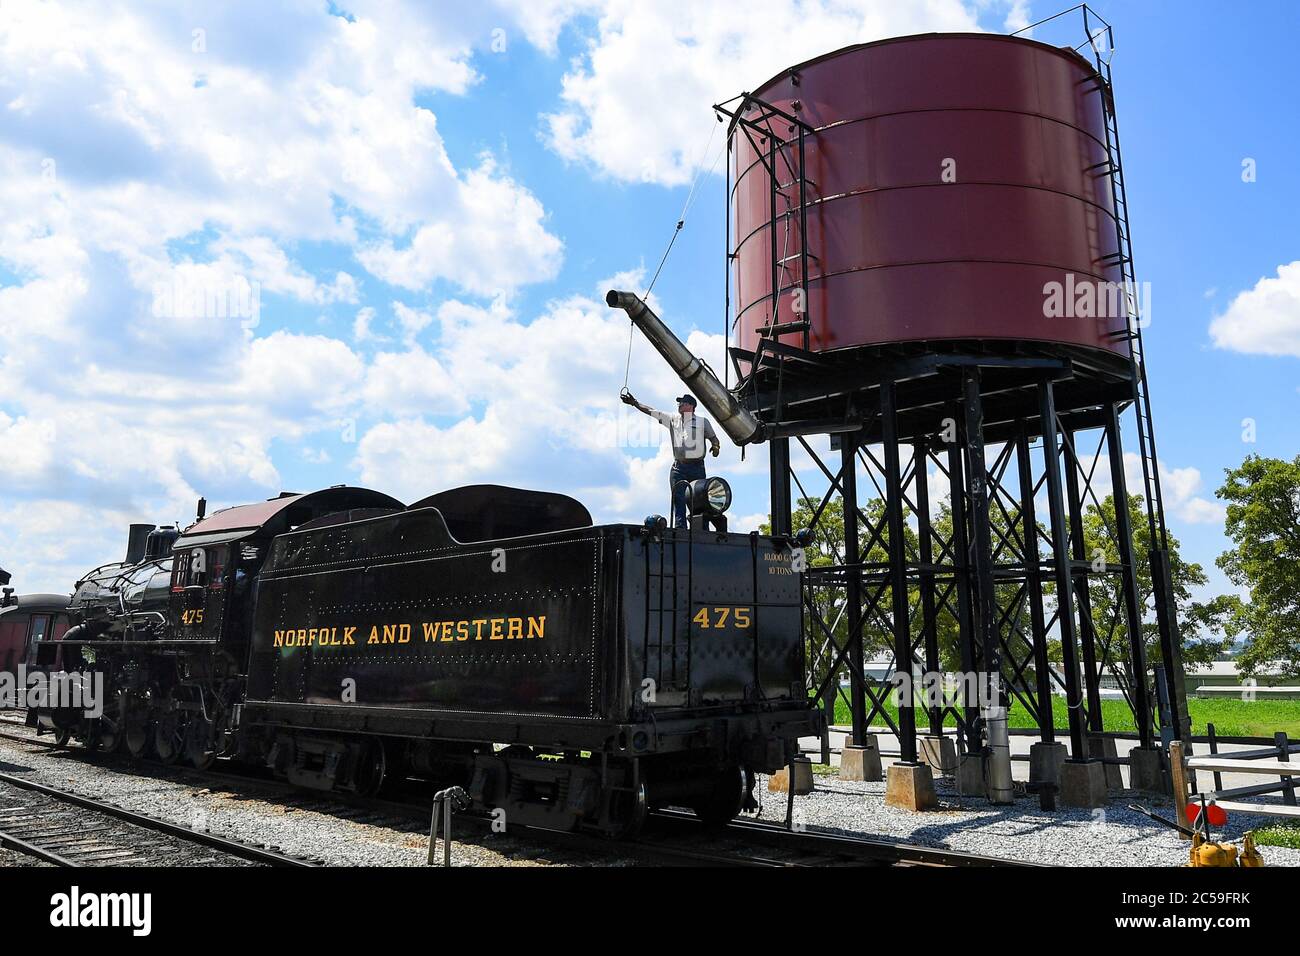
point(296, 375)
point(361, 324)
point(302, 153)
point(636, 106)
point(133, 164)
point(44, 541)
point(492, 241)
point(1180, 489)
point(1264, 320)
point(544, 394)
point(541, 20)
point(265, 263)
point(412, 321)
point(409, 383)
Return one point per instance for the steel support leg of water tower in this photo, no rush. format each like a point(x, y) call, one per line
point(1100, 746)
point(900, 611)
point(1083, 781)
point(973, 743)
point(853, 583)
point(938, 750)
point(925, 550)
point(984, 603)
point(1145, 772)
point(1073, 465)
point(1046, 756)
point(1171, 645)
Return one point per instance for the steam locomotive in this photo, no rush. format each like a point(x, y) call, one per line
point(574, 675)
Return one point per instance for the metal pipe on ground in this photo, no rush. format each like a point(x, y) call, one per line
point(445, 803)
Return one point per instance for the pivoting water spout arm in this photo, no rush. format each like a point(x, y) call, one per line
point(740, 425)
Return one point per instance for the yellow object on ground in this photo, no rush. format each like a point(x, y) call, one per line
point(1206, 853)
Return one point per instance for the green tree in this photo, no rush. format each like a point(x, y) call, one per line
point(1198, 622)
point(1263, 522)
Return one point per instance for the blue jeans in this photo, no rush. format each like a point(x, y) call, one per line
point(683, 471)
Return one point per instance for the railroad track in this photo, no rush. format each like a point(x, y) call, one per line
point(68, 829)
point(819, 848)
point(673, 838)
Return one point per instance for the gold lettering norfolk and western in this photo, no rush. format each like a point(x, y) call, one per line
point(527, 628)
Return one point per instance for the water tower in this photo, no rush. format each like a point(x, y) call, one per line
point(929, 260)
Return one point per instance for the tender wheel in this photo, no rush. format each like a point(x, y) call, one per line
point(371, 767)
point(628, 811)
point(721, 805)
point(169, 736)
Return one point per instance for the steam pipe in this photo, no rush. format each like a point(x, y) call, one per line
point(740, 425)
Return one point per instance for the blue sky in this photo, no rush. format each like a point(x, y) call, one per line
point(430, 202)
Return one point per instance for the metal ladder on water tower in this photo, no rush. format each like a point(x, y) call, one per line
point(1113, 168)
point(1168, 713)
point(756, 118)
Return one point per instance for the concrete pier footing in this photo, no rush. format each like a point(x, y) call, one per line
point(911, 787)
point(861, 763)
point(1045, 760)
point(1145, 771)
point(940, 754)
point(803, 778)
point(1083, 784)
point(1104, 747)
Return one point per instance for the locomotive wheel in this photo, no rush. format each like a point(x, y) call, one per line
point(137, 729)
point(169, 736)
point(198, 743)
point(138, 737)
point(721, 805)
point(61, 736)
point(105, 736)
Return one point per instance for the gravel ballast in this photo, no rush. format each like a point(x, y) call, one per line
point(340, 835)
point(1111, 836)
point(336, 834)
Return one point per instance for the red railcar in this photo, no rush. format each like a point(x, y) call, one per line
point(28, 626)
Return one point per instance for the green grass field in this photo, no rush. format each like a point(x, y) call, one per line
point(1281, 834)
point(1231, 718)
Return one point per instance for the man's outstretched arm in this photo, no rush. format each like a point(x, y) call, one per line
point(629, 399)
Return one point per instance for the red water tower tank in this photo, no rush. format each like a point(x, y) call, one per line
point(947, 181)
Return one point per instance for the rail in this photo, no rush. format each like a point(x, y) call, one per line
point(30, 833)
point(674, 838)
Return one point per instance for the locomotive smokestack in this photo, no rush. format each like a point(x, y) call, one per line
point(740, 426)
point(202, 509)
point(137, 539)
